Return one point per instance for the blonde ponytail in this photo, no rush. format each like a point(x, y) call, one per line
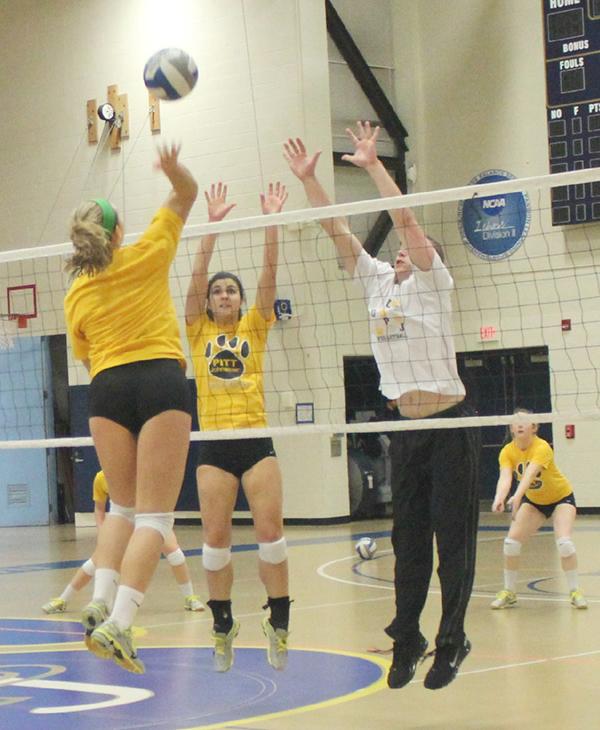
point(93, 247)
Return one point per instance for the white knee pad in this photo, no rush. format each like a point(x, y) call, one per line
point(128, 513)
point(512, 548)
point(88, 567)
point(160, 521)
point(273, 552)
point(176, 558)
point(565, 546)
point(215, 558)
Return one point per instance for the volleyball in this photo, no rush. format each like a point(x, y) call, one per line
point(170, 74)
point(366, 548)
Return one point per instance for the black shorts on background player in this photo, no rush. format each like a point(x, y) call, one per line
point(235, 456)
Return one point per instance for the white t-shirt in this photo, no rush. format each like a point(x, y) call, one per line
point(411, 327)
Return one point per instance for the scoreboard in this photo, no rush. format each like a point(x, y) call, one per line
point(572, 43)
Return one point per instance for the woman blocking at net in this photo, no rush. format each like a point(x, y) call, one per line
point(543, 492)
point(173, 554)
point(122, 324)
point(228, 349)
point(434, 472)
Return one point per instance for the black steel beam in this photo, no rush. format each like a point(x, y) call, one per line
point(365, 77)
point(385, 112)
point(377, 234)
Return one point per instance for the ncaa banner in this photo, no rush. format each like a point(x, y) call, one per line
point(494, 227)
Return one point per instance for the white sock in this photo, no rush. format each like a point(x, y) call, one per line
point(510, 580)
point(106, 582)
point(572, 579)
point(127, 602)
point(186, 588)
point(68, 593)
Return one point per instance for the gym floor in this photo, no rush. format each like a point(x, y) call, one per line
point(533, 666)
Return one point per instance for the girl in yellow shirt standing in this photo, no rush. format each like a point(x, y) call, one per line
point(542, 492)
point(228, 350)
point(122, 324)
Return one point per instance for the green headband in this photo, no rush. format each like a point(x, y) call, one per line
point(109, 215)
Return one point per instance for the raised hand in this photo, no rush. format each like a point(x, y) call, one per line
point(216, 202)
point(365, 145)
point(273, 200)
point(301, 164)
point(168, 159)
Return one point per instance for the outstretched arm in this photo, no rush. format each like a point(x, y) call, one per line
point(218, 208)
point(271, 202)
point(502, 489)
point(410, 233)
point(303, 166)
point(185, 188)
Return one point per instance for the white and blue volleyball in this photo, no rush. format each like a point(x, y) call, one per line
point(366, 548)
point(170, 74)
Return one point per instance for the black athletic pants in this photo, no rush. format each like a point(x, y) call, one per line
point(435, 491)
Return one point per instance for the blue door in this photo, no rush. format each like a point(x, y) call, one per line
point(27, 476)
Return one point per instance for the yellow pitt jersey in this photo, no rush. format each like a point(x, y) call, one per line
point(228, 365)
point(550, 485)
point(100, 488)
point(125, 313)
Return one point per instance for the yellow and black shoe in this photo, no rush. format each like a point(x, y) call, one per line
point(277, 650)
point(223, 651)
point(94, 614)
point(118, 644)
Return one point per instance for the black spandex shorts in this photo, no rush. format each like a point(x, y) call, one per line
point(548, 509)
point(134, 393)
point(235, 456)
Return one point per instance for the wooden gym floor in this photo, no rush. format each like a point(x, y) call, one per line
point(533, 666)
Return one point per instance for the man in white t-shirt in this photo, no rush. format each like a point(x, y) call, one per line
point(434, 471)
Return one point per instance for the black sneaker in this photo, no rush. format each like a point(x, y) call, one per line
point(445, 665)
point(404, 663)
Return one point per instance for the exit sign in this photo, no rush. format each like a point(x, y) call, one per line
point(488, 333)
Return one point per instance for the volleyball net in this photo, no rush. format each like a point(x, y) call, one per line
point(526, 293)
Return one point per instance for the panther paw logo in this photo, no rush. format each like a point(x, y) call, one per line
point(226, 357)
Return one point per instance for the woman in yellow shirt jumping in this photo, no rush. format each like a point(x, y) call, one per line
point(542, 492)
point(228, 350)
point(122, 324)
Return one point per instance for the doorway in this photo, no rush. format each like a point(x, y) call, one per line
point(497, 382)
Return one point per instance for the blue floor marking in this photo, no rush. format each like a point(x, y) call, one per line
point(54, 690)
point(26, 632)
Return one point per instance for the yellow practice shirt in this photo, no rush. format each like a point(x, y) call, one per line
point(228, 364)
point(100, 488)
point(125, 313)
point(550, 484)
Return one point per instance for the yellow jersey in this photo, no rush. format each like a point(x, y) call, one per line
point(125, 313)
point(228, 364)
point(550, 485)
point(100, 488)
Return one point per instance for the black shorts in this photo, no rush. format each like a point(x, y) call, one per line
point(548, 509)
point(235, 456)
point(134, 393)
